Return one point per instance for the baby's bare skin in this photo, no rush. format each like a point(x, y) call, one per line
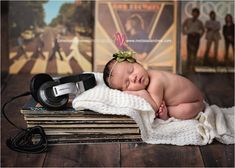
point(169, 94)
point(162, 112)
point(182, 98)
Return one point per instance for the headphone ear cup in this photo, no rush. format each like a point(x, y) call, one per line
point(36, 82)
point(47, 98)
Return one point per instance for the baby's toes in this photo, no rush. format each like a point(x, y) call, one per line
point(165, 111)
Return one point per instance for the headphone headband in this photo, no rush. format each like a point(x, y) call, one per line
point(54, 93)
point(74, 84)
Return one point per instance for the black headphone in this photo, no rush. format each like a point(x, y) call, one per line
point(54, 93)
point(50, 93)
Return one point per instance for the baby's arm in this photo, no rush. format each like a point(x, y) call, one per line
point(144, 94)
point(156, 92)
point(160, 112)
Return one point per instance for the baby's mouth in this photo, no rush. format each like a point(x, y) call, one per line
point(141, 79)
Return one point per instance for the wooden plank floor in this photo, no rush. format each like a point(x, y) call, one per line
point(218, 89)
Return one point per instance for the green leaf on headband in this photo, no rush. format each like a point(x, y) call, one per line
point(120, 59)
point(124, 56)
point(131, 60)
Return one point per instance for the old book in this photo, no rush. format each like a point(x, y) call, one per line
point(91, 138)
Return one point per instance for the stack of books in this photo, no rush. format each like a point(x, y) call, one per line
point(85, 126)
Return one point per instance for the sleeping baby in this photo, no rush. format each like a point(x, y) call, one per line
point(170, 95)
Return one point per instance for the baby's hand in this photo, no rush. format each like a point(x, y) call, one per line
point(162, 112)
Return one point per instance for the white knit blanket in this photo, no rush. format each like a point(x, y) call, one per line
point(214, 123)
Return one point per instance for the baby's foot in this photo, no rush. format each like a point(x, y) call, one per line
point(163, 112)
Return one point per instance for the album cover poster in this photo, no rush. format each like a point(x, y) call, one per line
point(147, 28)
point(50, 36)
point(211, 48)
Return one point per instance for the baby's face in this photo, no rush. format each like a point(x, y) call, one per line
point(129, 76)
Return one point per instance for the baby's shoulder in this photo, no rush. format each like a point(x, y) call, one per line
point(157, 79)
point(157, 75)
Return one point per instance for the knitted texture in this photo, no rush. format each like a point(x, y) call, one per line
point(215, 122)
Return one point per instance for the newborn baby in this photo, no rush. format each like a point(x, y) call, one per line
point(170, 95)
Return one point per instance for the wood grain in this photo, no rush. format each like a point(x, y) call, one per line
point(218, 155)
point(145, 155)
point(94, 155)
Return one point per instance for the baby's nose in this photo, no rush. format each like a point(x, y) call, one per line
point(133, 78)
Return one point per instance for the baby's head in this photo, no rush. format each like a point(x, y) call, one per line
point(124, 73)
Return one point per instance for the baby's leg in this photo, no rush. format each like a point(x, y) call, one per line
point(186, 110)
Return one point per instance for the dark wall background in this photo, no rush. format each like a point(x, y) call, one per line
point(4, 39)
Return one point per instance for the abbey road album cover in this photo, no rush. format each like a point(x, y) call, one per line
point(51, 37)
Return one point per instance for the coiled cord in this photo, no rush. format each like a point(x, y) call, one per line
point(24, 141)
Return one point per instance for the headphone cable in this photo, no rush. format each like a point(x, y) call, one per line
point(23, 141)
point(5, 104)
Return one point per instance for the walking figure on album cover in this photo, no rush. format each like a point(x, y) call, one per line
point(39, 48)
point(56, 49)
point(75, 49)
point(21, 48)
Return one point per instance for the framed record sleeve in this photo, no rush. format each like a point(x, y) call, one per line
point(148, 28)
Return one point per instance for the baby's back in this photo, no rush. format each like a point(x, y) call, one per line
point(176, 89)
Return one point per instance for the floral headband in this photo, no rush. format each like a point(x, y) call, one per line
point(120, 57)
point(124, 56)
